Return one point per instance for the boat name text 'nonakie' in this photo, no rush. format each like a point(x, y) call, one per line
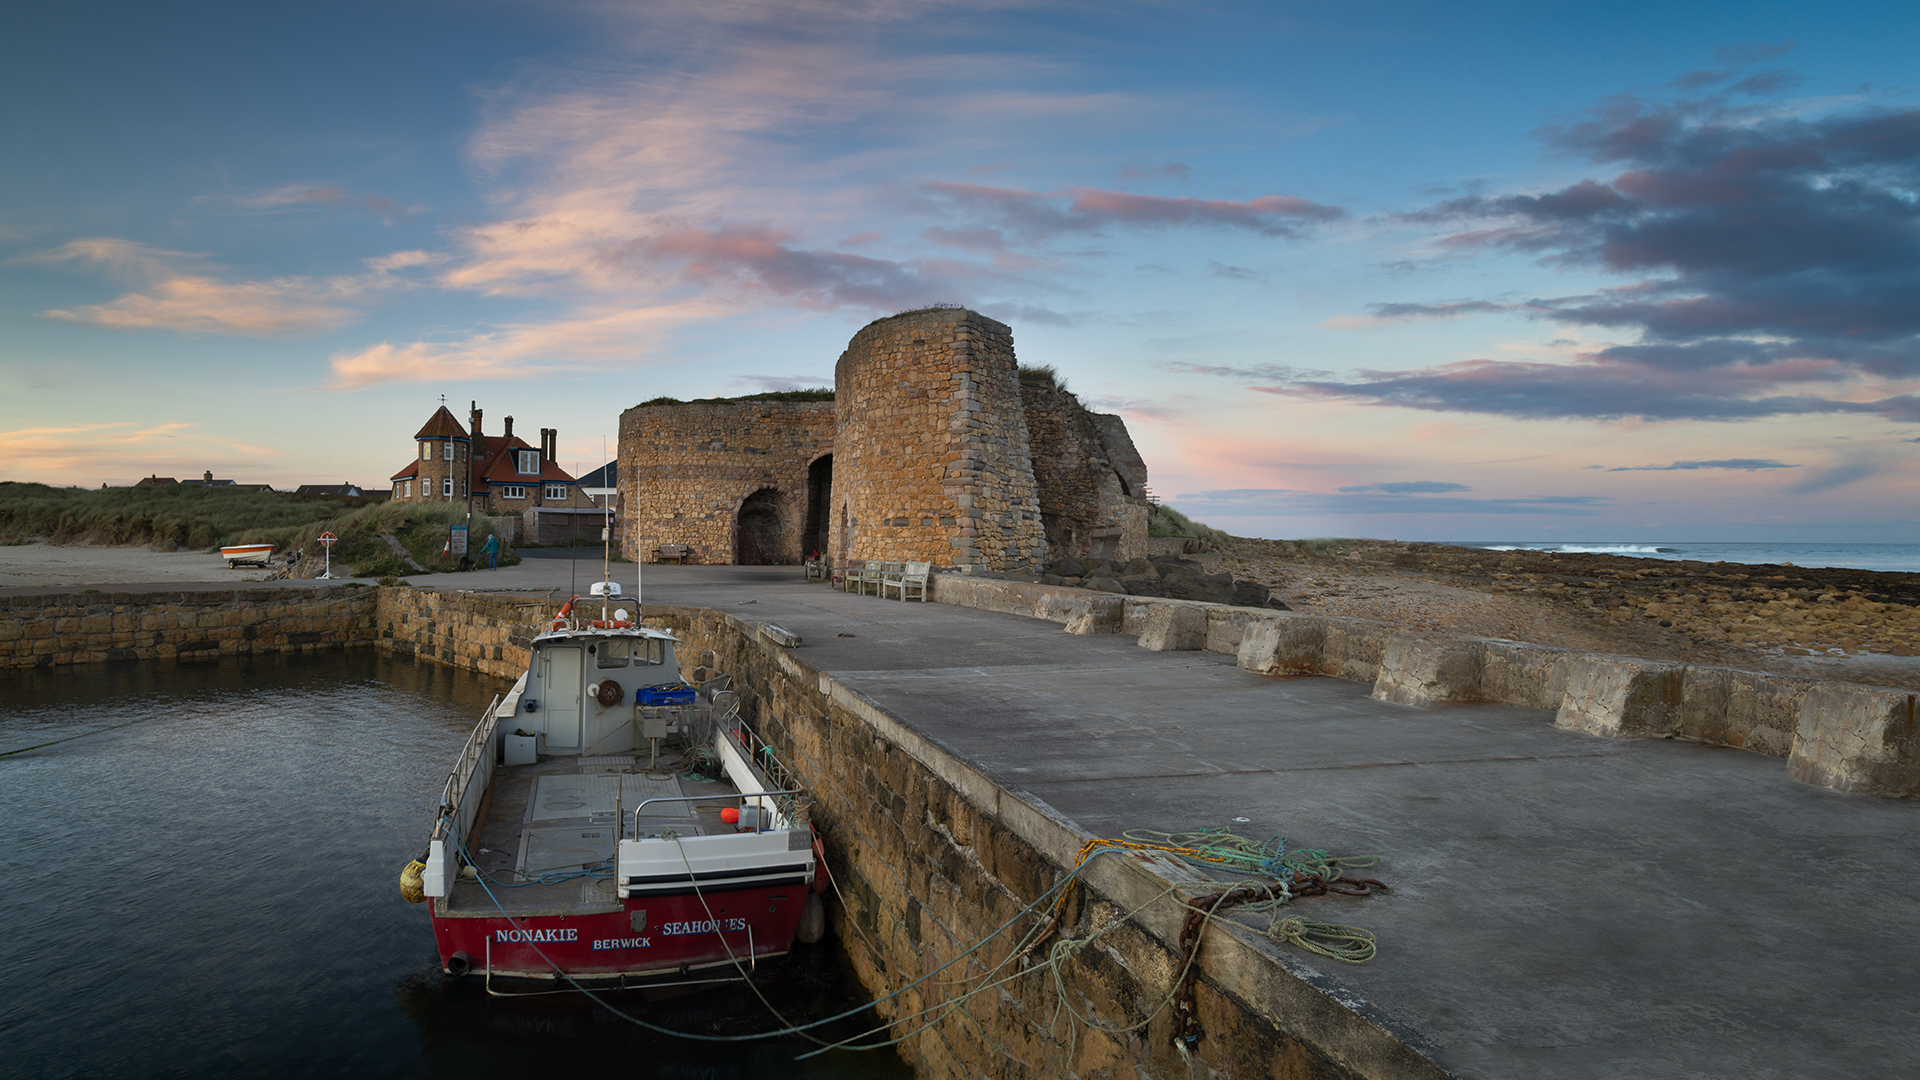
point(536, 935)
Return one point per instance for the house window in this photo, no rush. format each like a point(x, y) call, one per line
point(513, 491)
point(406, 489)
point(556, 493)
point(446, 486)
point(529, 462)
point(446, 451)
point(426, 451)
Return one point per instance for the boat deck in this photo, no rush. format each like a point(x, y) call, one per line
point(549, 830)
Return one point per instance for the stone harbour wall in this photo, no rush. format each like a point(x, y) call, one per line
point(929, 857)
point(930, 447)
point(688, 470)
point(90, 626)
point(485, 633)
point(1850, 738)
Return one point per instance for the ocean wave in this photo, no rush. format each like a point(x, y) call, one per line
point(1588, 549)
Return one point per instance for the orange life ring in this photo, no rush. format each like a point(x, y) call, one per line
point(559, 624)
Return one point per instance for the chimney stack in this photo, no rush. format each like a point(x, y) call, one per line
point(509, 432)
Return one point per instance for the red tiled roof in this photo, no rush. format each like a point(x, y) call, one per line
point(412, 470)
point(493, 465)
point(442, 425)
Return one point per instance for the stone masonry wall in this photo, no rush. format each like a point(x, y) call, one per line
point(930, 458)
point(90, 627)
point(686, 470)
point(929, 857)
point(1087, 505)
point(489, 634)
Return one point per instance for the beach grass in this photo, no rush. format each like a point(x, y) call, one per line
point(204, 519)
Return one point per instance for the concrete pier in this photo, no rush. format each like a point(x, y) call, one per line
point(1564, 904)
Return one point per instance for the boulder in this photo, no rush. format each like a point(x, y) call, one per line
point(1067, 568)
point(1205, 589)
point(1103, 583)
point(1052, 579)
point(1251, 594)
point(1148, 584)
point(1139, 567)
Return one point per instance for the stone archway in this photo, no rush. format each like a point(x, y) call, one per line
point(819, 505)
point(760, 530)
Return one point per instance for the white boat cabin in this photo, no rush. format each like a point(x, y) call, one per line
point(600, 689)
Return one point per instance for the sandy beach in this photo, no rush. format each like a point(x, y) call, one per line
point(41, 564)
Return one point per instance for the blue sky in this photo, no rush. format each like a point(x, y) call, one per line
point(1525, 271)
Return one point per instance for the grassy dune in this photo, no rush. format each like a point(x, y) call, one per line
point(195, 518)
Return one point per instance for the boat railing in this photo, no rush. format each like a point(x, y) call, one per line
point(477, 752)
point(757, 751)
point(697, 798)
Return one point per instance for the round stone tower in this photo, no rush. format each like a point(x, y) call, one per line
point(930, 446)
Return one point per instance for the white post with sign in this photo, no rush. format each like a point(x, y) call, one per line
point(327, 540)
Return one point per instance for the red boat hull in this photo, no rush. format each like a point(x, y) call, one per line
point(651, 936)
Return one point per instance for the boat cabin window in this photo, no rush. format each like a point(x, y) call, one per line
point(618, 652)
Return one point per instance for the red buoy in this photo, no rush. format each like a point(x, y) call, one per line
point(731, 815)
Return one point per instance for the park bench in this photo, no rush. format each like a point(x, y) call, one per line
point(908, 578)
point(679, 553)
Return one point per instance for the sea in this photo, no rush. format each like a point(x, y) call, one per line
point(1884, 557)
point(205, 864)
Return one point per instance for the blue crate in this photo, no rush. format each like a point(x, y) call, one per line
point(663, 695)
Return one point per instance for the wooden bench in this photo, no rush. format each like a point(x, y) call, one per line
point(679, 553)
point(906, 578)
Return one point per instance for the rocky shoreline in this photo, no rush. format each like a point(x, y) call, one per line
point(1833, 623)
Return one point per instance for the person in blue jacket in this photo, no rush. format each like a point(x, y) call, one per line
point(492, 550)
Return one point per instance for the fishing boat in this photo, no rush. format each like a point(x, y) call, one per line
point(257, 554)
point(606, 822)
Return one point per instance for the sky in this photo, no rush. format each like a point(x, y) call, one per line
point(1529, 271)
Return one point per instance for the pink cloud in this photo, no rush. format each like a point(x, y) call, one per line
point(178, 294)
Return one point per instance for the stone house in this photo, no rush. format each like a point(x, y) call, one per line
point(500, 474)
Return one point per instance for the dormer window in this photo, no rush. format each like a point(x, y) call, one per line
point(528, 462)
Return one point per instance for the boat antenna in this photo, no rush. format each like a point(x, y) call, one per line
point(606, 536)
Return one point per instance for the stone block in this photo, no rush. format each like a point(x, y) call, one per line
point(1621, 697)
point(1097, 615)
point(1520, 674)
point(1225, 627)
point(1856, 739)
point(1174, 628)
point(1420, 671)
point(1282, 644)
point(1351, 649)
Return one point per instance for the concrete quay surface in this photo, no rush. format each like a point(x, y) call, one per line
point(1563, 905)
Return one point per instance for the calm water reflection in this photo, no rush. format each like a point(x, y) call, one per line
point(204, 884)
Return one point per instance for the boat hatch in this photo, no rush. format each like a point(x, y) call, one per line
point(543, 851)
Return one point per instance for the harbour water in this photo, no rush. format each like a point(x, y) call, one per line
point(204, 883)
point(1883, 557)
